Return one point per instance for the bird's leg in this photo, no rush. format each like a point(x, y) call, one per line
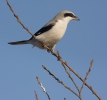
point(46, 47)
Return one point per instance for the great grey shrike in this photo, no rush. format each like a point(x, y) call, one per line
point(51, 32)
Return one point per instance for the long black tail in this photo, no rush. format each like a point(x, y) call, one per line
point(19, 42)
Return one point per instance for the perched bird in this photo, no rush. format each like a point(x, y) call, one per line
point(51, 32)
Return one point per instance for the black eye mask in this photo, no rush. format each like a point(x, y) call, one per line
point(69, 15)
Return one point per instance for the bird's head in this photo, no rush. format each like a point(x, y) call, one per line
point(67, 16)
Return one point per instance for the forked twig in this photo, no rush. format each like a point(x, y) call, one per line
point(59, 81)
point(86, 77)
point(70, 77)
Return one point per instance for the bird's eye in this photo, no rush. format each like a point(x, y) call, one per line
point(68, 15)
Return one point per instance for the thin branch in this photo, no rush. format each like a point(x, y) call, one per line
point(86, 77)
point(43, 88)
point(72, 80)
point(18, 20)
point(70, 77)
point(36, 96)
point(60, 81)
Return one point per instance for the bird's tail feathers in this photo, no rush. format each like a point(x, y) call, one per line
point(19, 42)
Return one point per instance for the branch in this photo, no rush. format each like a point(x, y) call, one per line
point(36, 95)
point(43, 88)
point(18, 20)
point(60, 81)
point(86, 77)
point(70, 77)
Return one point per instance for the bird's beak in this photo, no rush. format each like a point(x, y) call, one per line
point(76, 18)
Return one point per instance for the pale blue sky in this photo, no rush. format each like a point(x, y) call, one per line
point(84, 40)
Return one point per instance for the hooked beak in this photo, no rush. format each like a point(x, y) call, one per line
point(76, 18)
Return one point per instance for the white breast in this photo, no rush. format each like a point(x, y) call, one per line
point(55, 34)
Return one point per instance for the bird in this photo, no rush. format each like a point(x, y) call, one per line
point(52, 32)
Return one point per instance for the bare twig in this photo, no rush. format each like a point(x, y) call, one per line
point(36, 95)
point(86, 77)
point(43, 88)
point(67, 72)
point(70, 77)
point(72, 80)
point(60, 81)
point(18, 20)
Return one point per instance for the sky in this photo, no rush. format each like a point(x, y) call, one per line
point(84, 40)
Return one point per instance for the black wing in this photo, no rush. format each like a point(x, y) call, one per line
point(43, 30)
